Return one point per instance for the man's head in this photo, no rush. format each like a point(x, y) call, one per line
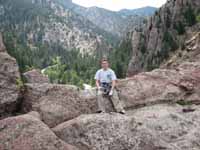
point(104, 63)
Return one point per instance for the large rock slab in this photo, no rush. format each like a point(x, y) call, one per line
point(34, 91)
point(154, 127)
point(162, 86)
point(35, 76)
point(108, 132)
point(57, 103)
point(172, 124)
point(27, 132)
point(9, 75)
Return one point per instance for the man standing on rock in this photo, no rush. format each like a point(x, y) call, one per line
point(106, 82)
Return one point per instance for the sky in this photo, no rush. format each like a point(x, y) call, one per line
point(116, 5)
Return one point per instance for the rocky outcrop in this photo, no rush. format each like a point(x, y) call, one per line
point(108, 131)
point(27, 132)
point(35, 76)
point(162, 86)
point(9, 76)
point(59, 103)
point(164, 34)
point(171, 124)
point(56, 103)
point(149, 128)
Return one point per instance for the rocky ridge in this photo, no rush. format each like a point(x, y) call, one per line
point(116, 23)
point(164, 34)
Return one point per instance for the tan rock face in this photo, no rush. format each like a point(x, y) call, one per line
point(162, 86)
point(150, 128)
point(62, 104)
point(108, 132)
point(29, 133)
point(57, 103)
point(171, 124)
point(35, 76)
point(9, 74)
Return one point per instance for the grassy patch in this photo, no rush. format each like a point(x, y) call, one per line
point(184, 103)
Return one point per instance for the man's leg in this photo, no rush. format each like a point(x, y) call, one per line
point(100, 101)
point(116, 102)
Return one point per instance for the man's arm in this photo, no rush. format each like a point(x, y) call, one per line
point(97, 84)
point(97, 78)
point(114, 79)
point(113, 84)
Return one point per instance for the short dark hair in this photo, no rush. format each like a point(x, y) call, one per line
point(104, 59)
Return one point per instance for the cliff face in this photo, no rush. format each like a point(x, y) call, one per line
point(164, 33)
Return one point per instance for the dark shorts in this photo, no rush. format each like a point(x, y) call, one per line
point(106, 87)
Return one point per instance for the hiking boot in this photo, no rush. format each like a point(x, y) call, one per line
point(122, 112)
point(100, 111)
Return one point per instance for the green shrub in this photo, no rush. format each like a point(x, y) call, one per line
point(19, 83)
point(190, 16)
point(198, 18)
point(184, 103)
point(143, 48)
point(169, 42)
point(179, 27)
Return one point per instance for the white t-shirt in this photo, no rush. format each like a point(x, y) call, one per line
point(105, 75)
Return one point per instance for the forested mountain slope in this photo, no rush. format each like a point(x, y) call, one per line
point(35, 31)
